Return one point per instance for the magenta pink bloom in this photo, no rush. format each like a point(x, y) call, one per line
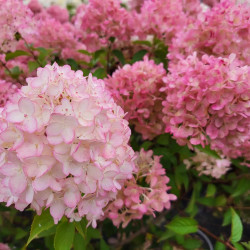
point(208, 103)
point(15, 18)
point(220, 31)
point(136, 89)
point(64, 146)
point(101, 20)
point(134, 200)
point(7, 90)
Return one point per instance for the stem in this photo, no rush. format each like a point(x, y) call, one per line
point(31, 52)
point(227, 244)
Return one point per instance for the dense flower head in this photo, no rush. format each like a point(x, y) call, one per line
point(15, 18)
point(7, 90)
point(136, 89)
point(135, 199)
point(161, 18)
point(219, 31)
point(54, 31)
point(64, 146)
point(101, 20)
point(208, 165)
point(208, 101)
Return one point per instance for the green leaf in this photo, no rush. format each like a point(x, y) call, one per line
point(100, 73)
point(43, 54)
point(142, 42)
point(192, 243)
point(246, 244)
point(146, 145)
point(183, 225)
point(82, 231)
point(227, 218)
point(238, 246)
point(15, 72)
point(219, 246)
point(208, 151)
point(211, 190)
point(138, 56)
point(73, 64)
point(119, 55)
point(12, 55)
point(167, 235)
point(85, 52)
point(163, 139)
point(237, 228)
point(40, 224)
point(85, 72)
point(64, 237)
point(93, 234)
point(33, 65)
point(242, 187)
point(103, 245)
point(79, 243)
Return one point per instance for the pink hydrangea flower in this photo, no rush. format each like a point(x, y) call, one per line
point(7, 90)
point(136, 89)
point(208, 165)
point(161, 18)
point(134, 200)
point(54, 31)
point(100, 20)
point(15, 17)
point(208, 102)
point(64, 146)
point(219, 31)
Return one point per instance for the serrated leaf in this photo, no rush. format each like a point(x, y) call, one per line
point(12, 55)
point(85, 52)
point(146, 145)
point(64, 237)
point(192, 243)
point(163, 139)
point(119, 55)
point(211, 190)
point(138, 56)
point(246, 244)
point(79, 243)
point(238, 246)
point(82, 231)
point(208, 151)
point(103, 245)
point(143, 42)
point(227, 218)
point(100, 73)
point(183, 225)
point(219, 246)
point(73, 64)
point(167, 235)
point(40, 224)
point(33, 65)
point(15, 72)
point(237, 228)
point(242, 187)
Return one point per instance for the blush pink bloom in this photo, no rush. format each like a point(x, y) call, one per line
point(98, 21)
point(136, 89)
point(64, 146)
point(135, 200)
point(208, 103)
point(7, 90)
point(208, 165)
point(15, 18)
point(161, 18)
point(219, 31)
